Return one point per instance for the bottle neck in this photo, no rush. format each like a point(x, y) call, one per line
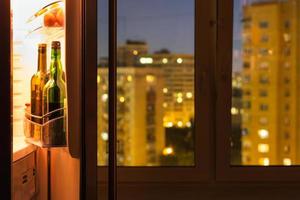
point(56, 67)
point(42, 61)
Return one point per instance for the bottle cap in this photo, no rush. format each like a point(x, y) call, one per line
point(42, 47)
point(55, 45)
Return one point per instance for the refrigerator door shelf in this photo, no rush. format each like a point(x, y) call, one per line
point(49, 133)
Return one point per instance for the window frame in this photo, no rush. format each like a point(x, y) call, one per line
point(224, 170)
point(204, 126)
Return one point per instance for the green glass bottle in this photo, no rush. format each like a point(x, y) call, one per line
point(54, 94)
point(38, 82)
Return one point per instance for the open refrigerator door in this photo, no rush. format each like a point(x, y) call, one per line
point(42, 165)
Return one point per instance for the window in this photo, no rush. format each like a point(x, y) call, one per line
point(264, 79)
point(264, 107)
point(263, 24)
point(263, 93)
point(264, 39)
point(155, 84)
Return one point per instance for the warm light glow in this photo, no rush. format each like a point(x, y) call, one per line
point(165, 90)
point(98, 79)
point(179, 100)
point(263, 148)
point(165, 105)
point(122, 99)
point(145, 60)
point(234, 111)
point(189, 95)
point(129, 78)
point(264, 161)
point(263, 133)
point(150, 78)
point(104, 97)
point(168, 124)
point(180, 124)
point(287, 162)
point(168, 151)
point(135, 52)
point(189, 124)
point(165, 60)
point(104, 136)
point(179, 60)
point(179, 94)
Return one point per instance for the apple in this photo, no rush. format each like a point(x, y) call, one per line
point(49, 20)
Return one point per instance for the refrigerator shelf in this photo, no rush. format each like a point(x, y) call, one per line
point(46, 131)
point(51, 33)
point(49, 21)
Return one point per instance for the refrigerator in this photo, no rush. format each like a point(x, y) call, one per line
point(33, 164)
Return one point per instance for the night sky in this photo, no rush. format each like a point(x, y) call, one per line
point(162, 23)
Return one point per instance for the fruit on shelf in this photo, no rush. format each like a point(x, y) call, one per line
point(54, 18)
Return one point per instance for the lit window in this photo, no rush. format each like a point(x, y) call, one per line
point(264, 65)
point(180, 124)
point(179, 60)
point(104, 136)
point(263, 133)
point(104, 97)
point(234, 111)
point(189, 95)
point(263, 120)
point(135, 52)
point(264, 161)
point(168, 151)
point(150, 78)
point(165, 60)
point(286, 149)
point(287, 162)
point(179, 100)
point(263, 148)
point(122, 99)
point(287, 65)
point(129, 78)
point(287, 37)
point(146, 60)
point(188, 124)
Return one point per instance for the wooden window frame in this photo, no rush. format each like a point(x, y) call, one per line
point(204, 104)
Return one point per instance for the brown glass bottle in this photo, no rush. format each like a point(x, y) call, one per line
point(38, 82)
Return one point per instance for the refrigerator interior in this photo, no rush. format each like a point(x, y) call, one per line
point(30, 28)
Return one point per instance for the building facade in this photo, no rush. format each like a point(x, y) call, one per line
point(139, 116)
point(270, 123)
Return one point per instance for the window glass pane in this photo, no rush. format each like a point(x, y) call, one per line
point(155, 84)
point(265, 83)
